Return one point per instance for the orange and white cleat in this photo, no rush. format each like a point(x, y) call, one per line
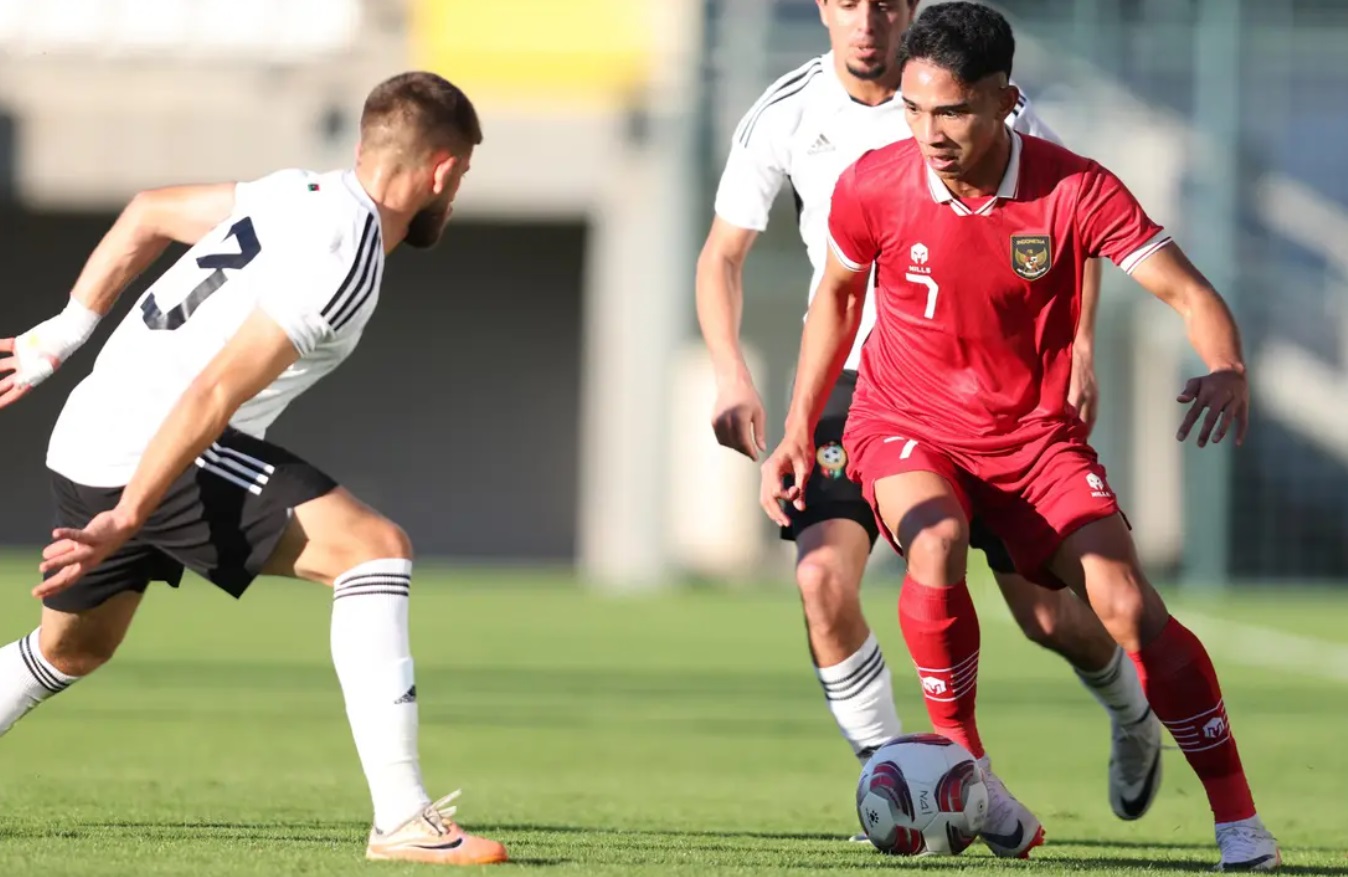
point(432, 837)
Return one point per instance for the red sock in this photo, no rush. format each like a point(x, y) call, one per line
point(941, 629)
point(1181, 686)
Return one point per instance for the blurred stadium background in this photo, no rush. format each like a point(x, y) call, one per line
point(532, 403)
point(539, 377)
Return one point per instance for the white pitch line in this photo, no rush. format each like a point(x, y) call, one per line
point(1268, 649)
point(1251, 645)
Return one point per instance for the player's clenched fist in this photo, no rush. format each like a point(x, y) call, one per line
point(1225, 395)
point(794, 457)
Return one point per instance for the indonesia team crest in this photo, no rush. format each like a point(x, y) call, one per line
point(1031, 255)
point(832, 460)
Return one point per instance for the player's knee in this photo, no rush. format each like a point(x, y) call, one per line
point(937, 553)
point(382, 539)
point(826, 589)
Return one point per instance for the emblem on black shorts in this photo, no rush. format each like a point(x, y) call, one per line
point(832, 460)
point(1031, 255)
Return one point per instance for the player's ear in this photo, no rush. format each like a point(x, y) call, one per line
point(442, 171)
point(1007, 97)
point(823, 19)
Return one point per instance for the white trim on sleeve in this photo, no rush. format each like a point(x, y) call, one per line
point(1130, 262)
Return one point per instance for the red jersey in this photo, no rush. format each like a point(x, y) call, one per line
point(977, 308)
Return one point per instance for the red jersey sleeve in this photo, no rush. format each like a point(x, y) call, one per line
point(1112, 223)
point(849, 234)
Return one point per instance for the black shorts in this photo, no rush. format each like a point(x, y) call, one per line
point(830, 495)
point(222, 519)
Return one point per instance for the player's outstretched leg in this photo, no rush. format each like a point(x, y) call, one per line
point(368, 561)
point(858, 687)
point(66, 647)
point(1063, 623)
point(1178, 678)
point(940, 627)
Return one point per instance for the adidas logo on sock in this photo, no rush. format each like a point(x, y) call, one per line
point(409, 697)
point(821, 144)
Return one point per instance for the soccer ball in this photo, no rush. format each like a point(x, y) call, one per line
point(921, 794)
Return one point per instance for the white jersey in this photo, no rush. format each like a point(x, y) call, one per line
point(303, 247)
point(806, 130)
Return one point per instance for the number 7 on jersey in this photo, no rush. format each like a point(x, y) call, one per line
point(933, 289)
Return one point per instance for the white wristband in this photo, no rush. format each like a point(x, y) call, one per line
point(42, 349)
point(78, 323)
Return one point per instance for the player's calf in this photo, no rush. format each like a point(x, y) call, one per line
point(66, 647)
point(338, 540)
point(1176, 673)
point(936, 612)
point(856, 681)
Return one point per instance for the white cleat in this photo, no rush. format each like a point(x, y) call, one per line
point(1247, 846)
point(434, 838)
point(1010, 829)
point(1135, 766)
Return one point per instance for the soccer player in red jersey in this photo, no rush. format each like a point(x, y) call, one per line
point(979, 236)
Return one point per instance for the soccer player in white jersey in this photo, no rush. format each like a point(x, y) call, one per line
point(159, 461)
point(804, 131)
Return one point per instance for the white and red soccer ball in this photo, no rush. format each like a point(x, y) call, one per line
point(921, 794)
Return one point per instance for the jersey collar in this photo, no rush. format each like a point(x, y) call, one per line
point(1006, 190)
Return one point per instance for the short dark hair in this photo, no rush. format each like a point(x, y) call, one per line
point(968, 39)
point(420, 110)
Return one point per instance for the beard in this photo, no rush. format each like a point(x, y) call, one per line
point(426, 227)
point(869, 74)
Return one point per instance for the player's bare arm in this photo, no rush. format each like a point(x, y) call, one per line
point(1224, 393)
point(738, 418)
point(147, 225)
point(830, 329)
point(252, 360)
point(1083, 393)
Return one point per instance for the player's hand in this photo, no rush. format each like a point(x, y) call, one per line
point(1225, 395)
point(738, 419)
point(73, 553)
point(794, 457)
point(21, 369)
point(1083, 393)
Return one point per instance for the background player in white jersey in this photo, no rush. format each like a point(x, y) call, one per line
point(159, 461)
point(805, 130)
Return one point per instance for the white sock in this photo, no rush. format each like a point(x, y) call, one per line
point(26, 679)
point(1118, 689)
point(373, 659)
point(860, 693)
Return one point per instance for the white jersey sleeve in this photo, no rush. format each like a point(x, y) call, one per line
point(1025, 119)
point(759, 160)
point(322, 263)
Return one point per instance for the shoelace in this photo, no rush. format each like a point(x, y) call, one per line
point(1242, 842)
point(443, 811)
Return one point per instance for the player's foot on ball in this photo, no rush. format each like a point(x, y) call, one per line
point(432, 837)
point(1135, 766)
point(1010, 829)
point(1247, 846)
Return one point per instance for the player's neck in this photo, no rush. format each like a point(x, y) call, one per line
point(871, 92)
point(985, 178)
point(393, 222)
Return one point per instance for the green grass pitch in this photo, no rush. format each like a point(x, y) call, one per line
point(678, 733)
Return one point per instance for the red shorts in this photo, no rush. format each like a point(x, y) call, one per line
point(1032, 499)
